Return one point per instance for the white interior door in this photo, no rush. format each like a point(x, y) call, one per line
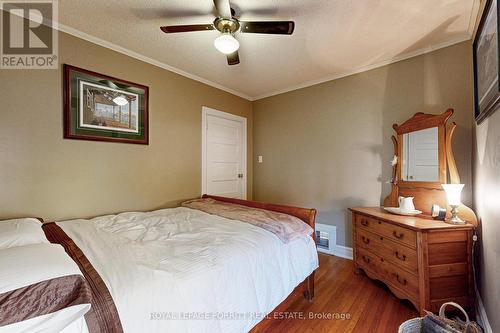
point(422, 159)
point(224, 154)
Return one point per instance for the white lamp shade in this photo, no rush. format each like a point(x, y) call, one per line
point(453, 193)
point(226, 43)
point(120, 100)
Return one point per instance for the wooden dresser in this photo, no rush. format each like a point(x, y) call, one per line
point(425, 261)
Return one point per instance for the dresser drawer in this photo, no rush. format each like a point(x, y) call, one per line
point(370, 261)
point(396, 253)
point(390, 231)
point(388, 273)
point(401, 279)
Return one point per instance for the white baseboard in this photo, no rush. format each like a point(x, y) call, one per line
point(343, 252)
point(481, 317)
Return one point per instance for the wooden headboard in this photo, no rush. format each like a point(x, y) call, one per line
point(308, 215)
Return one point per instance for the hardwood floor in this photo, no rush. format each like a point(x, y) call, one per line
point(339, 291)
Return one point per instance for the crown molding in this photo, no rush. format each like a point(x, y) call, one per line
point(473, 17)
point(138, 56)
point(398, 58)
point(101, 42)
point(130, 53)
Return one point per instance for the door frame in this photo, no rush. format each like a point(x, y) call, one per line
point(206, 111)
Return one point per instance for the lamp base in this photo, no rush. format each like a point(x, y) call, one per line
point(455, 221)
point(454, 216)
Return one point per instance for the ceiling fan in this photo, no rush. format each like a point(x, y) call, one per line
point(228, 25)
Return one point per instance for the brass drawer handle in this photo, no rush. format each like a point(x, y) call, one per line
point(402, 258)
point(364, 222)
point(366, 259)
point(365, 240)
point(403, 282)
point(398, 236)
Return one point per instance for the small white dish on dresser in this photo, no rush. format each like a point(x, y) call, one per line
point(399, 211)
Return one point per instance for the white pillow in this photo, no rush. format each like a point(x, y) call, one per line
point(24, 266)
point(20, 232)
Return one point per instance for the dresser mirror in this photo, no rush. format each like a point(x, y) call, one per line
point(424, 160)
point(420, 160)
point(425, 261)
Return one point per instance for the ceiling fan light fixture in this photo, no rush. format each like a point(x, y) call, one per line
point(226, 43)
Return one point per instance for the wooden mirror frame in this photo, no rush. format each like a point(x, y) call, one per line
point(427, 193)
point(421, 121)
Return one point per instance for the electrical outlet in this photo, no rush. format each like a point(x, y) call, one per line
point(260, 158)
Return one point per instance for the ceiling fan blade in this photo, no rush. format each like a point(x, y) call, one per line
point(187, 28)
point(158, 13)
point(233, 58)
point(223, 8)
point(270, 27)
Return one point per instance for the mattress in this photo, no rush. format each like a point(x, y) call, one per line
point(184, 270)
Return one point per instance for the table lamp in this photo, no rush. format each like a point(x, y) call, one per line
point(453, 195)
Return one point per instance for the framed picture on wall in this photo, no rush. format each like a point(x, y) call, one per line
point(486, 69)
point(103, 108)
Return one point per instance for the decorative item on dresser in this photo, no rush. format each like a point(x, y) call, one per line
point(426, 261)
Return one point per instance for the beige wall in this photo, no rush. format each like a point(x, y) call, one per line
point(487, 207)
point(328, 146)
point(44, 175)
point(486, 179)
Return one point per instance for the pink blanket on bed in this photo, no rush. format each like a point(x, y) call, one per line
point(286, 227)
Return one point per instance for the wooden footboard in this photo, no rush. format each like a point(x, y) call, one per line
point(308, 215)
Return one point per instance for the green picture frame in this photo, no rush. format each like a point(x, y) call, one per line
point(99, 107)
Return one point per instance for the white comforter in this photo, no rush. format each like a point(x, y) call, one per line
point(167, 267)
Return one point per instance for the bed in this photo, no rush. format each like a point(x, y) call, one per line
point(186, 270)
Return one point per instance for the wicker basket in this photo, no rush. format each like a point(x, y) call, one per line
point(416, 325)
point(411, 326)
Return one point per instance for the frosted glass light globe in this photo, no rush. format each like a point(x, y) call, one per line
point(453, 193)
point(226, 43)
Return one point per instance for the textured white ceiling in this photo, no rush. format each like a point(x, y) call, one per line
point(332, 38)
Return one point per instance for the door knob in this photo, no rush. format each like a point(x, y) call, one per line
point(240, 175)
